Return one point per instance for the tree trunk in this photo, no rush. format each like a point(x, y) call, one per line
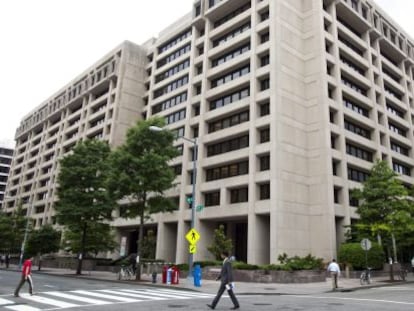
point(379, 239)
point(140, 239)
point(82, 250)
point(39, 266)
point(394, 247)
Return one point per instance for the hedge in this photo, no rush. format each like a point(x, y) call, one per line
point(352, 254)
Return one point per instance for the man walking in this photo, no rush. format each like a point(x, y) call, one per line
point(335, 271)
point(226, 278)
point(26, 277)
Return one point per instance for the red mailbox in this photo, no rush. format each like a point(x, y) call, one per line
point(175, 277)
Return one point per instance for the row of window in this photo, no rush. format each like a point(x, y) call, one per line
point(232, 54)
point(228, 145)
point(171, 86)
point(168, 59)
point(230, 121)
point(174, 41)
point(358, 152)
point(237, 195)
point(175, 117)
point(231, 15)
point(353, 86)
point(231, 34)
point(355, 107)
point(397, 129)
point(230, 76)
point(227, 171)
point(357, 129)
point(395, 111)
point(172, 71)
point(170, 102)
point(231, 98)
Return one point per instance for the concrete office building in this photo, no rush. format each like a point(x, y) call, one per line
point(290, 101)
point(6, 155)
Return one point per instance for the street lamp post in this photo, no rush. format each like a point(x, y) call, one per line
point(193, 192)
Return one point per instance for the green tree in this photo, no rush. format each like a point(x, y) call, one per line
point(352, 254)
point(83, 199)
point(140, 173)
point(385, 209)
point(12, 228)
point(43, 241)
point(220, 243)
point(100, 238)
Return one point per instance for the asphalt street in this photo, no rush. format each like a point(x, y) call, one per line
point(59, 292)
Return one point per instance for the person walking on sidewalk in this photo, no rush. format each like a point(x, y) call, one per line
point(7, 260)
point(26, 277)
point(334, 271)
point(226, 278)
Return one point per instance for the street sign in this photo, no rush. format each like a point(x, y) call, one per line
point(192, 249)
point(189, 200)
point(192, 236)
point(199, 207)
point(366, 244)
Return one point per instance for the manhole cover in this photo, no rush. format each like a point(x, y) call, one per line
point(177, 306)
point(270, 288)
point(335, 304)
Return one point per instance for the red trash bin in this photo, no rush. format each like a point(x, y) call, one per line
point(175, 277)
point(164, 274)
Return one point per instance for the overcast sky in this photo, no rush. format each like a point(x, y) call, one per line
point(47, 43)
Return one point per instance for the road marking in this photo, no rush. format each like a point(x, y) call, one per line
point(22, 308)
point(137, 295)
point(355, 299)
point(48, 301)
point(156, 293)
point(5, 302)
point(78, 298)
point(117, 298)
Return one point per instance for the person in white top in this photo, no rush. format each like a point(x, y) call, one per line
point(412, 264)
point(334, 271)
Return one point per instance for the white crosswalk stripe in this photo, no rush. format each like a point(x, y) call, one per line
point(55, 300)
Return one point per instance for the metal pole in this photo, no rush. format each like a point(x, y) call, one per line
point(25, 236)
point(193, 207)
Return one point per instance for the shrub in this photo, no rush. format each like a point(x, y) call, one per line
point(308, 262)
point(207, 263)
point(353, 255)
point(183, 266)
point(244, 266)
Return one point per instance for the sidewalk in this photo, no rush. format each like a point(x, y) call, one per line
point(241, 288)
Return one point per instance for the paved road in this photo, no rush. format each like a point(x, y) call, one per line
point(57, 292)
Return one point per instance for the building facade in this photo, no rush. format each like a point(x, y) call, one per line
point(6, 155)
point(290, 102)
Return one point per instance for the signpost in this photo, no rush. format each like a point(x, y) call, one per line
point(366, 246)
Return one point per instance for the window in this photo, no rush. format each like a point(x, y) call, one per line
point(172, 71)
point(228, 121)
point(397, 129)
point(185, 49)
point(358, 152)
point(171, 102)
point(175, 117)
point(171, 87)
point(401, 169)
point(264, 109)
point(264, 37)
point(230, 35)
point(357, 175)
point(357, 129)
point(230, 98)
point(233, 14)
point(212, 198)
point(264, 84)
point(239, 195)
point(398, 148)
point(228, 145)
point(264, 191)
point(235, 169)
point(264, 60)
point(264, 135)
point(264, 16)
point(174, 41)
point(264, 163)
point(230, 76)
point(353, 201)
point(177, 169)
point(355, 107)
point(234, 53)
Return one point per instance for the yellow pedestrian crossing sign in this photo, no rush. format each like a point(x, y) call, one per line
point(192, 236)
point(192, 249)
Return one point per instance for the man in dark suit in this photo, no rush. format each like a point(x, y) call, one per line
point(226, 278)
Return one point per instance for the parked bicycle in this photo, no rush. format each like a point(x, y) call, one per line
point(365, 277)
point(125, 273)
